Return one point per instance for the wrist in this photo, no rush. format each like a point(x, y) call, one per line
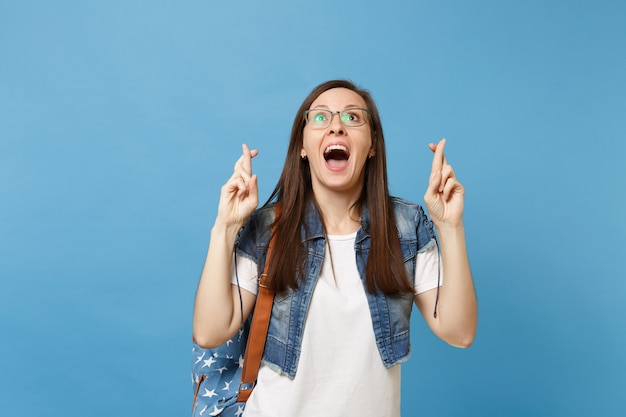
point(224, 231)
point(449, 229)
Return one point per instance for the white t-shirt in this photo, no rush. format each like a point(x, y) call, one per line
point(340, 371)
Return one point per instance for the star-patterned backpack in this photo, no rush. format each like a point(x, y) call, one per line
point(223, 377)
point(216, 375)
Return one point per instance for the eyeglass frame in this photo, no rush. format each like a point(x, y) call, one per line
point(368, 115)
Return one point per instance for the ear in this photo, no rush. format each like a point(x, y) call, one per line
point(371, 153)
point(302, 154)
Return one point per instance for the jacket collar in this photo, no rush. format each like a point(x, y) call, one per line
point(313, 228)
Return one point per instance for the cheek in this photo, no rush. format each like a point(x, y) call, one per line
point(369, 143)
point(309, 142)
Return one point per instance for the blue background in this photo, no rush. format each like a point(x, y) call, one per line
point(120, 120)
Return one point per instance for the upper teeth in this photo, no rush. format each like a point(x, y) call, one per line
point(336, 147)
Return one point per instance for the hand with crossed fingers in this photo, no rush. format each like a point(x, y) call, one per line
point(239, 197)
point(444, 195)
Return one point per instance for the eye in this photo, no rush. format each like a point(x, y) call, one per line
point(351, 116)
point(318, 117)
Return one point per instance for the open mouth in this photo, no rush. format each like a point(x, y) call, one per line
point(336, 155)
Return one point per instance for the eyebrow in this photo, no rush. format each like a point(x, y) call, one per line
point(323, 106)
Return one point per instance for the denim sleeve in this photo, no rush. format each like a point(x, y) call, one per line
point(426, 237)
point(252, 240)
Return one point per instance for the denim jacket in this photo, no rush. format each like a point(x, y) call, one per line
point(390, 314)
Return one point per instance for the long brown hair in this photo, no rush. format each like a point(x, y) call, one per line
point(385, 271)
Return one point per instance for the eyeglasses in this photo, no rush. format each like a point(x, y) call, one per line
point(321, 118)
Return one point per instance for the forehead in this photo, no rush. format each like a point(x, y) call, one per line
point(339, 98)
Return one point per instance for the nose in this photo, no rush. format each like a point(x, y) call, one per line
point(336, 125)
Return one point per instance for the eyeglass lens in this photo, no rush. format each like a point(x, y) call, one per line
point(320, 118)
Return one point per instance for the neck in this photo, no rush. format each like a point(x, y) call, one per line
point(338, 212)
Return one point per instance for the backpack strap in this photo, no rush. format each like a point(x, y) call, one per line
point(258, 330)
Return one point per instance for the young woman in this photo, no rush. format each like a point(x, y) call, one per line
point(349, 261)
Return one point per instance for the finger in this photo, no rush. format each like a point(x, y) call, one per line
point(433, 146)
point(446, 173)
point(438, 157)
point(253, 189)
point(239, 164)
point(239, 173)
point(445, 158)
point(453, 186)
point(236, 186)
point(247, 158)
point(433, 185)
point(449, 187)
point(230, 192)
point(243, 166)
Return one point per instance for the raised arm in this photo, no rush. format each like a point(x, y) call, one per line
point(217, 313)
point(457, 314)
